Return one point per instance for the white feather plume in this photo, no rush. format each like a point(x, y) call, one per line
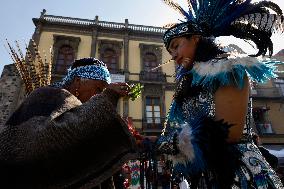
point(184, 142)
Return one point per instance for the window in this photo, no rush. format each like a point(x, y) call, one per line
point(110, 52)
point(64, 59)
point(65, 51)
point(153, 110)
point(260, 115)
point(264, 128)
point(253, 88)
point(110, 58)
point(150, 62)
point(279, 83)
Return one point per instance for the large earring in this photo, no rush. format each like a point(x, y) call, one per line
point(76, 92)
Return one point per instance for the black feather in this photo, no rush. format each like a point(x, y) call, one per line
point(222, 158)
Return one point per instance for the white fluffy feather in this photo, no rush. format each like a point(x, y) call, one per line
point(184, 142)
point(214, 67)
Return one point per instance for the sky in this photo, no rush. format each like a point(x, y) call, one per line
point(16, 17)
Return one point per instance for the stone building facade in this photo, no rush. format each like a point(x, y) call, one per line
point(268, 108)
point(130, 51)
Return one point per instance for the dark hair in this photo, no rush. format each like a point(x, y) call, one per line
point(206, 49)
point(86, 61)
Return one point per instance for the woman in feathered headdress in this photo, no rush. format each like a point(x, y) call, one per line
point(211, 109)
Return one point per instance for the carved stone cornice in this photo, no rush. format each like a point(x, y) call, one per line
point(101, 33)
point(66, 40)
point(60, 40)
point(156, 49)
point(138, 32)
point(67, 29)
point(115, 45)
point(152, 90)
point(150, 48)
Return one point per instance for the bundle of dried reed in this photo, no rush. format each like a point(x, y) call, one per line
point(34, 70)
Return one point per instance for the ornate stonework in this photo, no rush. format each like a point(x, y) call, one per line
point(11, 92)
point(61, 40)
point(149, 48)
point(110, 44)
point(115, 46)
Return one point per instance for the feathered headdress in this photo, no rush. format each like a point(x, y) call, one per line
point(34, 69)
point(240, 18)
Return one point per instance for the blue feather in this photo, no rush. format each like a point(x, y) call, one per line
point(260, 181)
point(175, 113)
point(234, 11)
point(243, 180)
point(198, 164)
point(194, 6)
point(181, 71)
point(187, 15)
point(218, 10)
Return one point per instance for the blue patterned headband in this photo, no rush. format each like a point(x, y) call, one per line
point(96, 72)
point(182, 29)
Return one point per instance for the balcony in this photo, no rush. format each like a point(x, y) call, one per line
point(264, 128)
point(153, 127)
point(272, 138)
point(152, 76)
point(271, 92)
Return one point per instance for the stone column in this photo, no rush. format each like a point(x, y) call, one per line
point(126, 67)
point(126, 51)
point(94, 37)
point(10, 90)
point(38, 29)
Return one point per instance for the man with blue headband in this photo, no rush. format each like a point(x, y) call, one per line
point(67, 135)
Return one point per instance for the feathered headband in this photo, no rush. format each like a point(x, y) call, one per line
point(240, 18)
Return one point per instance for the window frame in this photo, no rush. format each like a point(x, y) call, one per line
point(61, 68)
point(154, 102)
point(110, 64)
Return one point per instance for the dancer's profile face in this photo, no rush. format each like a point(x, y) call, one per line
point(182, 50)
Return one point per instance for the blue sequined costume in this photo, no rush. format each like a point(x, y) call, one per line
point(207, 160)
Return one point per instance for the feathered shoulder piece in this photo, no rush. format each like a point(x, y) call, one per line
point(34, 68)
point(231, 70)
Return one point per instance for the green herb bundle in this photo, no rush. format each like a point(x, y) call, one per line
point(135, 91)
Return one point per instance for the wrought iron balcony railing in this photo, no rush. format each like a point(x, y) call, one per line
point(152, 76)
point(271, 92)
point(153, 125)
